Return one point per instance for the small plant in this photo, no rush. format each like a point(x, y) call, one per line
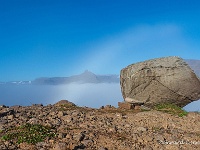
point(118, 110)
point(29, 133)
point(171, 109)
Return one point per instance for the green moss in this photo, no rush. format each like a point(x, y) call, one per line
point(28, 133)
point(171, 109)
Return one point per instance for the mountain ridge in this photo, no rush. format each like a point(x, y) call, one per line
point(89, 77)
point(85, 77)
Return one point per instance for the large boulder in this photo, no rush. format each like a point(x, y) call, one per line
point(162, 80)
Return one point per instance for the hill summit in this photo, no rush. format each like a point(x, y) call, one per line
point(85, 77)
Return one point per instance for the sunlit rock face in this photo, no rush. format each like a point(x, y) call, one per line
point(162, 80)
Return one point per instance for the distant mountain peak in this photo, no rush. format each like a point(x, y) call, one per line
point(85, 77)
point(87, 72)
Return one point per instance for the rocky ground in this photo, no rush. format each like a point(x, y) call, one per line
point(106, 128)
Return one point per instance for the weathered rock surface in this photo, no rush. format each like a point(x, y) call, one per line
point(64, 103)
point(163, 80)
point(108, 128)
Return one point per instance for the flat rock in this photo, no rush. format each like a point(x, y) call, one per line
point(162, 80)
point(125, 105)
point(132, 100)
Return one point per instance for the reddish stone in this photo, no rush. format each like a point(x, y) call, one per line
point(125, 105)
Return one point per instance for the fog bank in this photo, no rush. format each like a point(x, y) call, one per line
point(90, 95)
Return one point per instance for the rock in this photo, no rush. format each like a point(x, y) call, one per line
point(162, 80)
point(125, 105)
point(3, 106)
point(89, 129)
point(34, 121)
point(142, 129)
point(142, 107)
point(107, 107)
point(42, 145)
point(60, 146)
point(60, 114)
point(133, 101)
point(79, 137)
point(87, 142)
point(137, 107)
point(68, 136)
point(10, 117)
point(6, 112)
point(130, 104)
point(67, 119)
point(64, 103)
point(62, 135)
point(148, 148)
point(1, 127)
point(26, 146)
point(102, 107)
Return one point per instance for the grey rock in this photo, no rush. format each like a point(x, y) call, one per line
point(3, 122)
point(42, 145)
point(67, 119)
point(1, 127)
point(34, 121)
point(60, 146)
point(148, 148)
point(145, 108)
point(62, 135)
point(10, 117)
point(162, 80)
point(79, 137)
point(6, 112)
point(142, 129)
point(87, 142)
point(132, 100)
point(60, 114)
point(159, 138)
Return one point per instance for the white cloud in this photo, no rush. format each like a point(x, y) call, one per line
point(136, 44)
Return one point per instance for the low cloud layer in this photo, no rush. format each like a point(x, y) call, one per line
point(91, 95)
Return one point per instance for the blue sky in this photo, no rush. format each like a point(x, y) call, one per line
point(47, 38)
